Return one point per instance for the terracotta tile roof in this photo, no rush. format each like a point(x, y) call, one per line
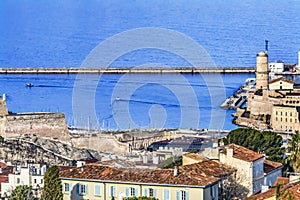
point(281, 180)
point(200, 174)
point(3, 165)
point(195, 156)
point(270, 166)
point(290, 188)
point(282, 79)
point(242, 153)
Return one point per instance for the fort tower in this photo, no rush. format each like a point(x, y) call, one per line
point(262, 75)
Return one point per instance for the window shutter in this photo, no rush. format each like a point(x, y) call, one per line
point(114, 191)
point(136, 192)
point(86, 188)
point(154, 193)
point(78, 188)
point(166, 194)
point(127, 191)
point(70, 188)
point(177, 195)
point(97, 189)
point(145, 192)
point(187, 195)
point(111, 192)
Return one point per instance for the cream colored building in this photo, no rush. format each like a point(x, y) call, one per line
point(253, 170)
point(201, 181)
point(285, 118)
point(281, 83)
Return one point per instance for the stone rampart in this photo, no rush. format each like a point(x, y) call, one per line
point(51, 125)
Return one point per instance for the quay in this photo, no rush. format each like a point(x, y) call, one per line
point(165, 70)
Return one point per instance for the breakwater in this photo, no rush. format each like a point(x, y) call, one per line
point(169, 70)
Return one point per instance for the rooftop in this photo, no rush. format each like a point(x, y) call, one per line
point(290, 188)
point(282, 79)
point(270, 166)
point(242, 153)
point(200, 174)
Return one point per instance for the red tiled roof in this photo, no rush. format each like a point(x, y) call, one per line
point(242, 153)
point(290, 188)
point(270, 166)
point(200, 174)
point(4, 165)
point(281, 180)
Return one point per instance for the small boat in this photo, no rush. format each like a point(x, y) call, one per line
point(117, 99)
point(29, 85)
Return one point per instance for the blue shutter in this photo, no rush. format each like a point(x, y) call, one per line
point(136, 192)
point(187, 195)
point(127, 191)
point(114, 191)
point(154, 193)
point(166, 194)
point(111, 192)
point(97, 189)
point(78, 188)
point(70, 188)
point(177, 195)
point(145, 192)
point(86, 188)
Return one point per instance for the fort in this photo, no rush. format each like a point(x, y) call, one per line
point(274, 103)
point(51, 125)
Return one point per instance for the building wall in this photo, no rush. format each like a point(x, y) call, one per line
point(270, 178)
point(281, 85)
point(276, 67)
point(249, 174)
point(285, 118)
point(52, 125)
point(120, 191)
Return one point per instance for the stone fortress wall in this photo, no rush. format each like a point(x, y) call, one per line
point(51, 125)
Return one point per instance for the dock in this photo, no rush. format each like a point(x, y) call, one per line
point(110, 70)
point(240, 97)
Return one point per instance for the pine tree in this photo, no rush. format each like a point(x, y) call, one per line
point(52, 185)
point(22, 192)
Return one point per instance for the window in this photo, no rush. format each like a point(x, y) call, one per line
point(150, 192)
point(291, 120)
point(291, 114)
point(166, 194)
point(82, 189)
point(41, 181)
point(112, 191)
point(182, 195)
point(97, 189)
point(131, 191)
point(67, 187)
point(34, 181)
point(18, 180)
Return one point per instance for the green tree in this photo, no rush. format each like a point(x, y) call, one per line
point(171, 162)
point(265, 142)
point(52, 185)
point(22, 192)
point(294, 158)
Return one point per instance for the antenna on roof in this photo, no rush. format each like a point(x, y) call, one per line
point(267, 46)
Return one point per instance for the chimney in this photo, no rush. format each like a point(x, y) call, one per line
point(176, 171)
point(229, 152)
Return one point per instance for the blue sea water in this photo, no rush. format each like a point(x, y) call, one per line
point(63, 33)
